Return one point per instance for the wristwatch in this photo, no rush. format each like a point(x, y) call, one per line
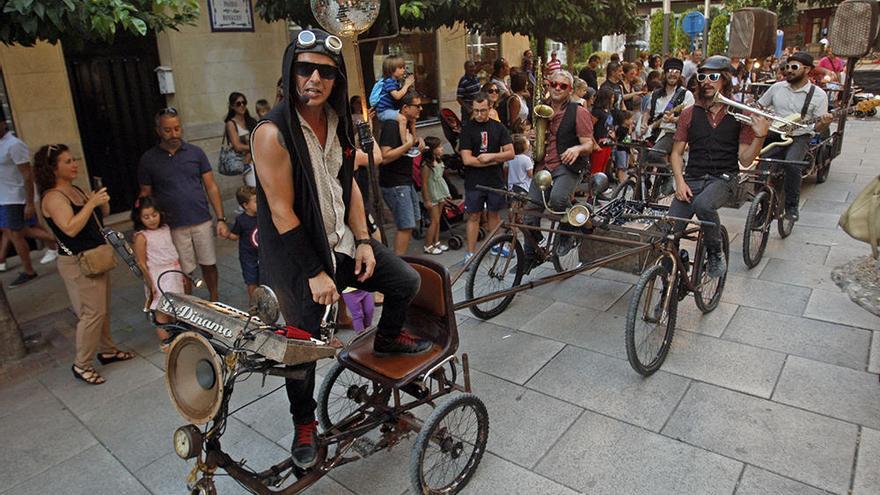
point(222, 219)
point(359, 242)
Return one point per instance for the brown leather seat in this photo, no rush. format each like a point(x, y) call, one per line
point(429, 316)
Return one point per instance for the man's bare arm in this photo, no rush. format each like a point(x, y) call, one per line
point(273, 167)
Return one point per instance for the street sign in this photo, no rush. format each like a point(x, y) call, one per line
point(693, 23)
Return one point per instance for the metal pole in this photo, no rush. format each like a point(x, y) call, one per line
point(667, 11)
point(706, 29)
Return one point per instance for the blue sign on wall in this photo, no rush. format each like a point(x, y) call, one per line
point(693, 23)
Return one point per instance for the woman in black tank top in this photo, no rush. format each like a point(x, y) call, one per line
point(73, 217)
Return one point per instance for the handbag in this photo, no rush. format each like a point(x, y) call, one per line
point(861, 220)
point(231, 162)
point(96, 261)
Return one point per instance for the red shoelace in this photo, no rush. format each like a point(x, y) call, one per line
point(305, 433)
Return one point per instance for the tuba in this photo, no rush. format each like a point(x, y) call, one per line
point(541, 114)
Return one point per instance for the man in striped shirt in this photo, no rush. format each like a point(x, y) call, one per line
point(468, 87)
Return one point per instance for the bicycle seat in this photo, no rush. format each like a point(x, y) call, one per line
point(429, 316)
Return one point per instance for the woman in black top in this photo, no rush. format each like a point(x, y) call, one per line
point(72, 216)
point(603, 129)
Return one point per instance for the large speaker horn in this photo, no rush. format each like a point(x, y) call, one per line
point(194, 378)
point(752, 33)
point(854, 28)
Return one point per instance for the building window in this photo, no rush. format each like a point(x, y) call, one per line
point(4, 102)
point(419, 52)
point(483, 50)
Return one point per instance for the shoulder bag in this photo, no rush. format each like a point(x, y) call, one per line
point(96, 261)
point(231, 162)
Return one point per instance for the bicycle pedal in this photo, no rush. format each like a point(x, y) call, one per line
point(364, 446)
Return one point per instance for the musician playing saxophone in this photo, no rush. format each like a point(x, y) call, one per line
point(796, 95)
point(717, 141)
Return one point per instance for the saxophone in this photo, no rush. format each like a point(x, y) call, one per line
point(541, 114)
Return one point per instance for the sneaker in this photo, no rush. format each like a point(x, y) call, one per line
point(413, 152)
point(432, 249)
point(305, 445)
point(441, 246)
point(792, 213)
point(565, 245)
point(22, 279)
point(504, 251)
point(402, 344)
point(716, 265)
point(49, 256)
point(467, 257)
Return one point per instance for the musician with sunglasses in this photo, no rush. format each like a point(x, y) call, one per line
point(568, 147)
point(718, 142)
point(796, 96)
point(313, 234)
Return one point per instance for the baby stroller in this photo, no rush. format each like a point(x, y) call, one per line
point(451, 126)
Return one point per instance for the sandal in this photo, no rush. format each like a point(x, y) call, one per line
point(114, 357)
point(87, 375)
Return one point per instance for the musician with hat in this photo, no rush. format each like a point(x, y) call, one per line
point(717, 143)
point(665, 105)
point(797, 97)
point(313, 237)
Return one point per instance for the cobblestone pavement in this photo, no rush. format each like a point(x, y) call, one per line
point(775, 392)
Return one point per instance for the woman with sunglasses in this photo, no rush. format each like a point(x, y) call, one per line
point(239, 125)
point(494, 94)
point(718, 143)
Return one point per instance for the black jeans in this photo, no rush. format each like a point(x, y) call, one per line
point(796, 151)
point(710, 193)
point(394, 278)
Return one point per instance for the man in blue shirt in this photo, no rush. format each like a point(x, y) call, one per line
point(468, 88)
point(179, 176)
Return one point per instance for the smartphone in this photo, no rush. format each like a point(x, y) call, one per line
point(97, 183)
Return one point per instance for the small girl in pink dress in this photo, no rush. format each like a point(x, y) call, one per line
point(155, 253)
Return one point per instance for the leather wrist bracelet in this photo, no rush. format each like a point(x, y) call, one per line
point(360, 242)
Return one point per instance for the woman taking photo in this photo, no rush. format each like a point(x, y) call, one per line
point(239, 125)
point(73, 217)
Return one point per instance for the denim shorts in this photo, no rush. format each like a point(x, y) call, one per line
point(621, 159)
point(12, 218)
point(390, 114)
point(404, 203)
point(476, 200)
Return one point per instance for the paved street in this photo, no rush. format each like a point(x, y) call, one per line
point(775, 392)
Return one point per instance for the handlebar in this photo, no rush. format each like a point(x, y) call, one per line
point(777, 161)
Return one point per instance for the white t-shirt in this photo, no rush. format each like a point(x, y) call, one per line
point(13, 152)
point(663, 102)
point(518, 172)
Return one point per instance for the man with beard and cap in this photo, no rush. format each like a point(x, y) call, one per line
point(796, 95)
point(718, 143)
point(665, 105)
point(312, 224)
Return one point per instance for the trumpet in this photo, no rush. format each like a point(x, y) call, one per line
point(779, 125)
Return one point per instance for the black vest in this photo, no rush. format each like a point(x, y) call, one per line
point(713, 151)
point(566, 137)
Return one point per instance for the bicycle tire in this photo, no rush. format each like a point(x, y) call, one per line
point(757, 228)
point(626, 190)
point(495, 265)
point(636, 314)
point(704, 303)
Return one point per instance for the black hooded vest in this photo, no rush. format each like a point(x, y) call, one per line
point(566, 137)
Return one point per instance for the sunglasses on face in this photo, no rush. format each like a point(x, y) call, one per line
point(792, 67)
point(712, 76)
point(559, 85)
point(240, 104)
point(673, 71)
point(306, 69)
point(492, 91)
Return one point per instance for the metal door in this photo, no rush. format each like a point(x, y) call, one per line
point(115, 95)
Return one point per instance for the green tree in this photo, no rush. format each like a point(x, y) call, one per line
point(655, 44)
point(718, 34)
point(27, 21)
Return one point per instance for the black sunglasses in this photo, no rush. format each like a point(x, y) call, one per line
point(167, 111)
point(240, 103)
point(306, 69)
